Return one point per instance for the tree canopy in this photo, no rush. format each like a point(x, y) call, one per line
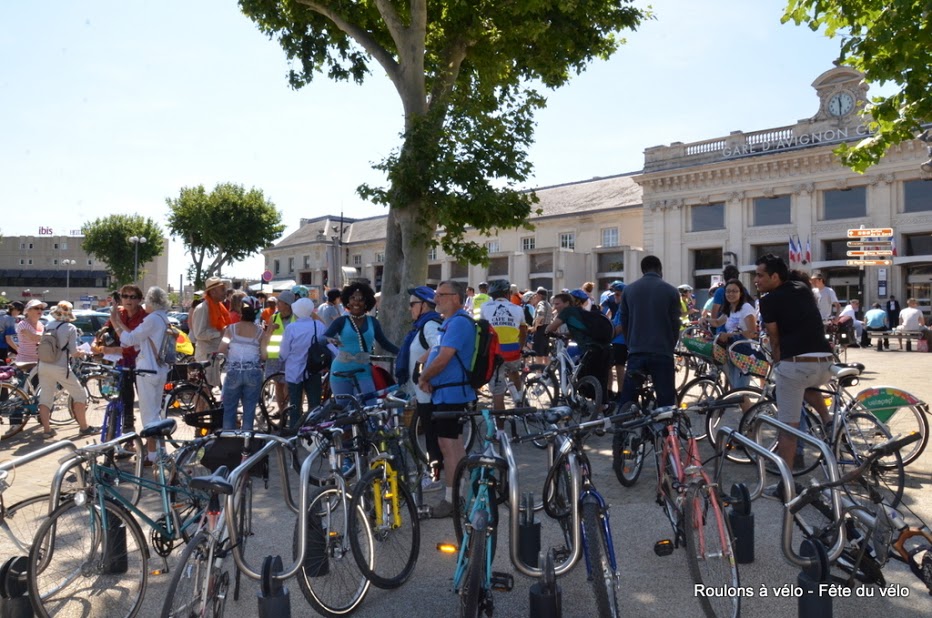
point(224, 226)
point(107, 239)
point(467, 75)
point(889, 41)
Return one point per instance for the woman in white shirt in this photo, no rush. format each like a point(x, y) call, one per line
point(242, 344)
point(151, 375)
point(740, 322)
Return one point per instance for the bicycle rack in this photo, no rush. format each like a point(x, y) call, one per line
point(725, 435)
point(274, 601)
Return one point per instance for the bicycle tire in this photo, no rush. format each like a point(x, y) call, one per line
point(558, 489)
point(631, 454)
point(538, 393)
point(397, 542)
point(859, 434)
point(709, 551)
point(71, 569)
point(743, 399)
point(461, 507)
point(327, 568)
point(904, 420)
point(243, 531)
point(14, 410)
point(184, 398)
point(190, 582)
point(20, 522)
point(811, 455)
point(62, 410)
point(471, 589)
point(586, 398)
point(102, 387)
point(604, 579)
point(681, 370)
point(269, 410)
point(698, 390)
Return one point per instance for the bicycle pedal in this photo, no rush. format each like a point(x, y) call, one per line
point(664, 547)
point(423, 511)
point(502, 582)
point(560, 555)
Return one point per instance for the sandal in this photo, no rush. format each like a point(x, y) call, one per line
point(47, 435)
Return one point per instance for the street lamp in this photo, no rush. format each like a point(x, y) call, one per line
point(68, 263)
point(136, 240)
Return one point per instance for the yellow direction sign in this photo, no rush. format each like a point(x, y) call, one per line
point(868, 232)
point(869, 253)
point(880, 244)
point(870, 262)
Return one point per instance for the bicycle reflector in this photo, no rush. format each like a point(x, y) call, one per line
point(447, 548)
point(664, 547)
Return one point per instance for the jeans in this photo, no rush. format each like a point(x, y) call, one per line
point(296, 392)
point(735, 378)
point(661, 370)
point(241, 385)
point(346, 387)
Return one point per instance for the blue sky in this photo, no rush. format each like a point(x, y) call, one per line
point(114, 106)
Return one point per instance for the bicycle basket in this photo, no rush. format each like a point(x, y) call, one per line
point(229, 452)
point(749, 360)
point(699, 342)
point(206, 421)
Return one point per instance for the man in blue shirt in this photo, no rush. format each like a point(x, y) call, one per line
point(446, 378)
point(876, 320)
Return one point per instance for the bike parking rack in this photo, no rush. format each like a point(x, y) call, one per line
point(727, 435)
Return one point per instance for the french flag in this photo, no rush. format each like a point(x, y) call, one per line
point(792, 251)
point(808, 251)
point(893, 245)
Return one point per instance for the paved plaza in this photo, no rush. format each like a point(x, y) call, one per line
point(651, 585)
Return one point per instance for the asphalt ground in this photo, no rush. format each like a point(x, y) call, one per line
point(650, 585)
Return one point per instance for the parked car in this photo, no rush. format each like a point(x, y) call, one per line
point(89, 322)
point(182, 320)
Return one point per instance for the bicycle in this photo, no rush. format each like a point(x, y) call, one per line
point(19, 400)
point(559, 383)
point(193, 393)
point(90, 555)
point(690, 500)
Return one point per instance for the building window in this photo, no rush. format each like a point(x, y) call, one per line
point(307, 261)
point(90, 262)
point(493, 246)
point(707, 217)
point(541, 263)
point(707, 259)
point(434, 272)
point(22, 245)
point(771, 210)
point(846, 204)
point(917, 196)
point(459, 270)
point(610, 237)
point(780, 249)
point(835, 249)
point(55, 262)
point(291, 264)
point(568, 240)
point(498, 267)
point(918, 244)
point(22, 262)
point(276, 267)
point(64, 246)
point(380, 257)
point(55, 245)
point(528, 243)
point(611, 262)
point(357, 260)
point(432, 253)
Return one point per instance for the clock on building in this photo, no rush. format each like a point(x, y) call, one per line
point(840, 104)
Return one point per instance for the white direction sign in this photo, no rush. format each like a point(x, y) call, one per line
point(877, 253)
point(870, 262)
point(870, 243)
point(868, 232)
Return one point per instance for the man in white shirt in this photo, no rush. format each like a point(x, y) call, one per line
point(851, 311)
point(912, 320)
point(825, 297)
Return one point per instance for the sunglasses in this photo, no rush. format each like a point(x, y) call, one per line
point(129, 296)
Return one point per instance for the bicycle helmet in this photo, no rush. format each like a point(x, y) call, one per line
point(617, 286)
point(684, 288)
point(579, 294)
point(300, 291)
point(499, 288)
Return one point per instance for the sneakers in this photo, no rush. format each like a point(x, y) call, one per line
point(776, 491)
point(428, 485)
point(442, 510)
point(90, 430)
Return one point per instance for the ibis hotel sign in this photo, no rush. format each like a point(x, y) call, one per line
point(792, 142)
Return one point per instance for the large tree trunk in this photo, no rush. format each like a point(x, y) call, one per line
point(405, 267)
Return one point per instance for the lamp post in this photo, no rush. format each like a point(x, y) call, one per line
point(68, 264)
point(136, 240)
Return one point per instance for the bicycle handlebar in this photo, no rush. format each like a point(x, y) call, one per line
point(458, 414)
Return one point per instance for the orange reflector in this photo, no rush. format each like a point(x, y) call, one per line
point(447, 548)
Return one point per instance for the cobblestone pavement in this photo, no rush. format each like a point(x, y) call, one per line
point(650, 586)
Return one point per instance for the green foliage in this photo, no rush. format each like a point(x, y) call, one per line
point(227, 225)
point(889, 41)
point(107, 239)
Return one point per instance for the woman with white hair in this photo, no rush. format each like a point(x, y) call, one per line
point(150, 374)
point(58, 371)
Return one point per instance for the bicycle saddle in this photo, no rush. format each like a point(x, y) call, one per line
point(215, 483)
point(163, 428)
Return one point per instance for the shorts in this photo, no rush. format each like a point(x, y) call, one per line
point(498, 385)
point(50, 374)
point(619, 353)
point(275, 365)
point(539, 343)
point(448, 427)
point(792, 379)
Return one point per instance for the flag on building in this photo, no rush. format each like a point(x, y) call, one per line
point(893, 245)
point(793, 257)
point(808, 251)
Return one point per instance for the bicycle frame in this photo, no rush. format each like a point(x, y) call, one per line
point(589, 492)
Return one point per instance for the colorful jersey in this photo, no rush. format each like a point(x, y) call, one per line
point(506, 319)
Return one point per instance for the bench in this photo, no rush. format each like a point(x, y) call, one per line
point(910, 336)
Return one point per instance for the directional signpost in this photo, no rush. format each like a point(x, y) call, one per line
point(873, 247)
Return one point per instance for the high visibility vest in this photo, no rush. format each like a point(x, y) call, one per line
point(275, 341)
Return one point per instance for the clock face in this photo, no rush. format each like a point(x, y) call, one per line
point(840, 104)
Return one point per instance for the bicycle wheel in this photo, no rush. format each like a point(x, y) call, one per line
point(471, 591)
point(681, 370)
point(558, 489)
point(20, 522)
point(630, 456)
point(807, 456)
point(586, 398)
point(603, 577)
point(62, 411)
point(183, 398)
point(709, 552)
point(14, 410)
point(269, 411)
point(538, 393)
point(102, 387)
point(83, 563)
point(697, 391)
point(243, 531)
point(197, 587)
point(329, 579)
point(395, 527)
point(859, 434)
point(904, 420)
point(741, 400)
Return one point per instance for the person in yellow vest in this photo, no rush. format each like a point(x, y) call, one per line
point(274, 333)
point(480, 299)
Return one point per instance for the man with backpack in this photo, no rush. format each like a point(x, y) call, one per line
point(446, 376)
point(508, 321)
point(591, 330)
point(413, 351)
point(304, 355)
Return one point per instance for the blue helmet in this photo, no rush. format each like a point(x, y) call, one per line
point(579, 294)
point(300, 291)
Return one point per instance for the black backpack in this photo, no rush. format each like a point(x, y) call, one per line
point(318, 358)
point(598, 326)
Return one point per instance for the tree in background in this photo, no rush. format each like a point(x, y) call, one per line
point(465, 73)
point(227, 225)
point(889, 41)
point(107, 239)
